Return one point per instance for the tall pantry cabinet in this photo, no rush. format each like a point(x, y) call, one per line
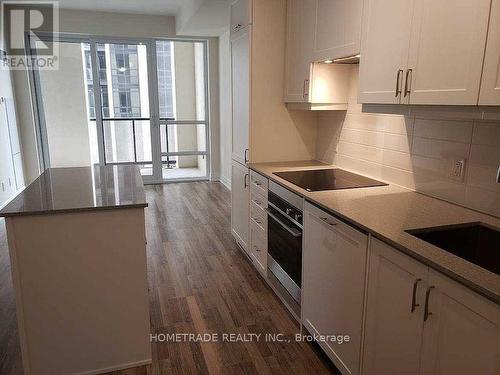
point(263, 128)
point(241, 33)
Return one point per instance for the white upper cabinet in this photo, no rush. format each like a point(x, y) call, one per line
point(338, 28)
point(240, 77)
point(241, 15)
point(319, 30)
point(423, 51)
point(384, 50)
point(301, 16)
point(446, 51)
point(462, 330)
point(490, 85)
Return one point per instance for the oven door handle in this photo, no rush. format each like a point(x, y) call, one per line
point(294, 232)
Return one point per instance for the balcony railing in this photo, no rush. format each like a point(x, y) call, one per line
point(169, 162)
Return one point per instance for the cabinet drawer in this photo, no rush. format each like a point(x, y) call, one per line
point(258, 184)
point(241, 15)
point(258, 216)
point(258, 200)
point(258, 241)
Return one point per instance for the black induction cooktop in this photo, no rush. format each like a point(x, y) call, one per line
point(328, 179)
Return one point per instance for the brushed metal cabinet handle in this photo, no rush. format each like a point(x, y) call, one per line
point(245, 180)
point(398, 89)
point(409, 73)
point(305, 89)
point(427, 313)
point(328, 222)
point(246, 155)
point(414, 303)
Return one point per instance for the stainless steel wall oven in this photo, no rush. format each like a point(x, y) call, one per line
point(285, 238)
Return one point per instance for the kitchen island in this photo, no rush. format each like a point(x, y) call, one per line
point(77, 248)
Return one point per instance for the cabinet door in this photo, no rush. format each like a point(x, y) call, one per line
point(446, 51)
point(240, 68)
point(240, 204)
point(393, 331)
point(301, 16)
point(241, 15)
point(384, 49)
point(462, 334)
point(490, 85)
point(338, 28)
point(334, 261)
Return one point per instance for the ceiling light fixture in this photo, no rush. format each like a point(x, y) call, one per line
point(328, 61)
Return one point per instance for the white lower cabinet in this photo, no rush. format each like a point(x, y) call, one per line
point(462, 333)
point(419, 321)
point(393, 317)
point(240, 204)
point(333, 283)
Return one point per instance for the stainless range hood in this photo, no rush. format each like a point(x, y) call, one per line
point(354, 59)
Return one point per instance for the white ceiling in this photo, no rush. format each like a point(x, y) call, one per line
point(159, 7)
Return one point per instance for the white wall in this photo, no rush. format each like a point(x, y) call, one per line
point(225, 105)
point(116, 24)
point(185, 92)
point(276, 134)
point(416, 151)
point(65, 108)
point(10, 116)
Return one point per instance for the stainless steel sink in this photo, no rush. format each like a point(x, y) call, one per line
point(476, 242)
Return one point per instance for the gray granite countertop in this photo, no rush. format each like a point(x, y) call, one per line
point(61, 190)
point(388, 211)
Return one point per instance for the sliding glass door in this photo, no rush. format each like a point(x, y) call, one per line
point(141, 102)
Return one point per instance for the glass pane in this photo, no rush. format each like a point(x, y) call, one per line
point(184, 167)
point(181, 80)
point(183, 138)
point(123, 78)
point(127, 141)
point(66, 96)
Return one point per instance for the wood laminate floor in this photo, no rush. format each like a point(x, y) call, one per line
point(200, 282)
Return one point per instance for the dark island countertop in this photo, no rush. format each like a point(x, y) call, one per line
point(388, 211)
point(64, 190)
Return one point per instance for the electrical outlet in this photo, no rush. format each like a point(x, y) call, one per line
point(458, 168)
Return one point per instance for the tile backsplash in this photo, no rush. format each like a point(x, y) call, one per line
point(417, 151)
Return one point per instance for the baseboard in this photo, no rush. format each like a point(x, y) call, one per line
point(225, 181)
